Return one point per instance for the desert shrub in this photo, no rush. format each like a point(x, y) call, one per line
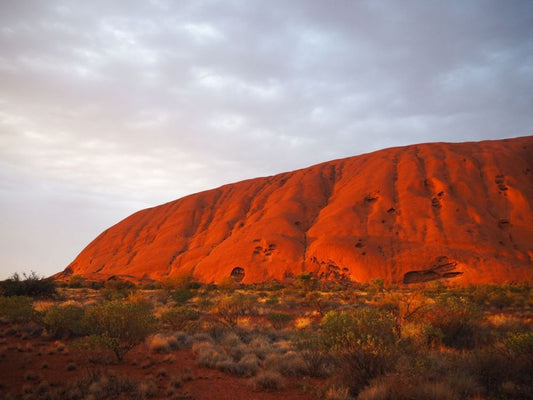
point(65, 321)
point(209, 355)
point(422, 335)
point(31, 285)
point(76, 281)
point(288, 364)
point(92, 350)
point(400, 387)
point(377, 284)
point(229, 309)
point(458, 319)
point(363, 342)
point(267, 381)
point(489, 367)
point(120, 325)
point(16, 308)
point(500, 296)
point(520, 343)
point(279, 320)
point(146, 389)
point(261, 346)
point(306, 282)
point(181, 296)
point(179, 317)
point(520, 350)
point(115, 289)
point(184, 340)
point(366, 327)
point(162, 343)
point(316, 301)
point(249, 365)
point(183, 281)
point(111, 386)
point(337, 393)
point(317, 358)
point(318, 364)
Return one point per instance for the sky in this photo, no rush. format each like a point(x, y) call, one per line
point(108, 107)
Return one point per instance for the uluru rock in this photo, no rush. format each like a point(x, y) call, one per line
point(458, 211)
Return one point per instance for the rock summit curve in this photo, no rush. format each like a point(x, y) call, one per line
point(458, 211)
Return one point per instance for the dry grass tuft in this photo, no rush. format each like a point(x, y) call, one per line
point(267, 381)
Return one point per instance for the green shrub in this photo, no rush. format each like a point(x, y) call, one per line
point(16, 308)
point(179, 317)
point(279, 320)
point(231, 308)
point(180, 296)
point(116, 289)
point(76, 281)
point(366, 327)
point(65, 321)
point(31, 285)
point(401, 387)
point(267, 381)
point(363, 342)
point(520, 343)
point(520, 348)
point(120, 325)
point(458, 319)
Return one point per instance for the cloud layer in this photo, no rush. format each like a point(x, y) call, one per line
point(111, 106)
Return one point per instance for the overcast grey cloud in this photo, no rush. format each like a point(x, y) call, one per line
point(107, 107)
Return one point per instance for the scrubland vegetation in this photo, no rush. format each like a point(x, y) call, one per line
point(322, 339)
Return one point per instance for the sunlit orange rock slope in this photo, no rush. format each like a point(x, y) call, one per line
point(409, 214)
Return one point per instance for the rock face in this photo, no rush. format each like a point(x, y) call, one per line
point(407, 214)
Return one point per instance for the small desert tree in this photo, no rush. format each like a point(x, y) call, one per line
point(230, 308)
point(119, 325)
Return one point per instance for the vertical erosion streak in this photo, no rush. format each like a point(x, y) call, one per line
point(446, 178)
point(328, 178)
point(197, 216)
point(221, 200)
point(396, 208)
point(428, 186)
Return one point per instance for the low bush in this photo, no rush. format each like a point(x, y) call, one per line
point(120, 325)
point(229, 309)
point(65, 321)
point(179, 317)
point(181, 296)
point(288, 364)
point(16, 308)
point(458, 319)
point(337, 393)
point(400, 387)
point(267, 381)
point(116, 289)
point(162, 343)
point(363, 342)
point(279, 320)
point(209, 355)
point(76, 282)
point(249, 365)
point(31, 285)
point(111, 386)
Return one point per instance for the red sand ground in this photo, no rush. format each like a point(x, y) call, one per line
point(40, 360)
point(407, 214)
